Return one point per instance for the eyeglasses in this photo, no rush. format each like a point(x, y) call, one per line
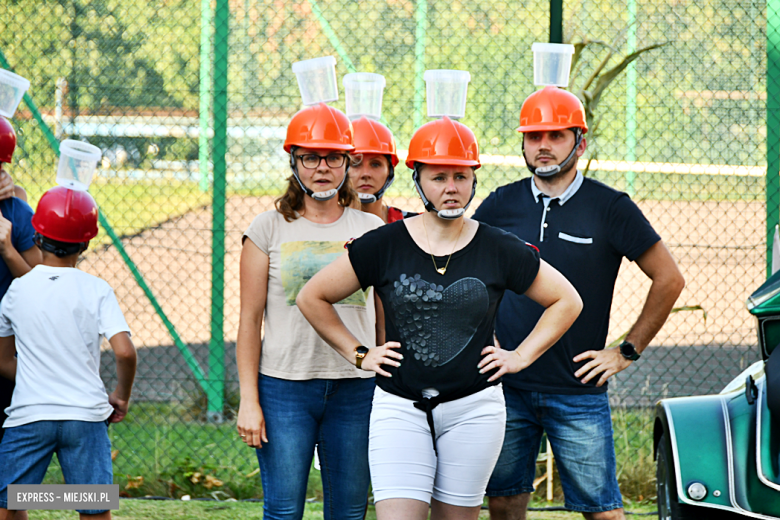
point(312, 160)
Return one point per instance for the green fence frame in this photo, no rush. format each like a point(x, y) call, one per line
point(772, 124)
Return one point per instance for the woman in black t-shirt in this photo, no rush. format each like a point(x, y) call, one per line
point(438, 413)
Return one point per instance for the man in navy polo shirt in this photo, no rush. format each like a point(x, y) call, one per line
point(583, 228)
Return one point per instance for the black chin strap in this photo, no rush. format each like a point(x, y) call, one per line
point(60, 250)
point(446, 214)
point(326, 195)
point(367, 198)
point(549, 171)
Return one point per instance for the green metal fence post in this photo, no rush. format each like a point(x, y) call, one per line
point(421, 17)
point(205, 92)
point(331, 35)
point(216, 387)
point(772, 124)
point(631, 98)
point(556, 21)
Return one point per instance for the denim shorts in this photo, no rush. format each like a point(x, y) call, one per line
point(83, 449)
point(579, 428)
point(332, 414)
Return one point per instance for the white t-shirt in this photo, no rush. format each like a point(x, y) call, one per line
point(297, 250)
point(58, 315)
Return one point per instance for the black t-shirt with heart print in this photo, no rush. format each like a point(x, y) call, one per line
point(442, 321)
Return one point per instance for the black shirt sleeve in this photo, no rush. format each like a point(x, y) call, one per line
point(366, 255)
point(630, 233)
point(521, 261)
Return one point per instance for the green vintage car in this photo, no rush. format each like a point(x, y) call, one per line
point(718, 456)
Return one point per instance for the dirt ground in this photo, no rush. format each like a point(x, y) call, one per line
point(718, 245)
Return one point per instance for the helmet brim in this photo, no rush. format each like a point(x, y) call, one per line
point(445, 162)
point(547, 127)
point(320, 146)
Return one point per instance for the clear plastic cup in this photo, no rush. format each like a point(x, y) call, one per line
point(78, 161)
point(12, 89)
point(317, 80)
point(552, 63)
point(446, 92)
point(363, 93)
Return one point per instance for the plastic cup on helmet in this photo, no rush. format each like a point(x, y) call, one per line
point(363, 94)
point(317, 80)
point(78, 161)
point(446, 92)
point(552, 64)
point(12, 89)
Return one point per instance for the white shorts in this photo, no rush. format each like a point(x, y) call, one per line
point(469, 436)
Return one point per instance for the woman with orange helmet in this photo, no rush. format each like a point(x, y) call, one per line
point(296, 393)
point(373, 168)
point(438, 412)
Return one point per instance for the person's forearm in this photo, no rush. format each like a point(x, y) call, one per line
point(8, 368)
point(326, 321)
point(248, 348)
point(15, 262)
point(660, 301)
point(125, 375)
point(553, 323)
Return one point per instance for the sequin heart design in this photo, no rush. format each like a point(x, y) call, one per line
point(434, 322)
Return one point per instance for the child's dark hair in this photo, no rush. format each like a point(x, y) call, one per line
point(58, 248)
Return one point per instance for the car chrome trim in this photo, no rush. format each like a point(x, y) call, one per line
point(682, 497)
point(761, 383)
point(732, 493)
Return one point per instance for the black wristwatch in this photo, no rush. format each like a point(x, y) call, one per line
point(360, 353)
point(629, 351)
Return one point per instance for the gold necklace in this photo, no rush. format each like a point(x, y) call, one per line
point(442, 270)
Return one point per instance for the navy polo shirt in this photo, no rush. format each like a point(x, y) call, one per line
point(19, 213)
point(584, 233)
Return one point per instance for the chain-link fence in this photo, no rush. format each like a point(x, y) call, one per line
point(682, 129)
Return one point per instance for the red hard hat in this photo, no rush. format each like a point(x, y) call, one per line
point(552, 109)
point(374, 137)
point(66, 215)
point(319, 126)
point(443, 141)
point(7, 141)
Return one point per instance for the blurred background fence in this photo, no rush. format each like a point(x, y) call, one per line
point(189, 101)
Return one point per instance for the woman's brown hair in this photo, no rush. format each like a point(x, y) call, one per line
point(292, 199)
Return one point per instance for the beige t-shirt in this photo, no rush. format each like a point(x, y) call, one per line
point(297, 250)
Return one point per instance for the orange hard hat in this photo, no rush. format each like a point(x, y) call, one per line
point(374, 137)
point(7, 141)
point(444, 141)
point(552, 109)
point(319, 126)
point(66, 215)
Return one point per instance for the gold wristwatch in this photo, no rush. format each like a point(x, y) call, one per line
point(360, 353)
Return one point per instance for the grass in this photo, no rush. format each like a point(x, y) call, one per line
point(162, 510)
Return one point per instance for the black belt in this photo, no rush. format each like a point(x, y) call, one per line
point(427, 405)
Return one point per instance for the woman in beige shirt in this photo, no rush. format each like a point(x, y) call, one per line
point(296, 392)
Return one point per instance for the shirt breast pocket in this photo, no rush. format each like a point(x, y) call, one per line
point(574, 239)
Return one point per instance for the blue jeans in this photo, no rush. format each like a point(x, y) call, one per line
point(332, 414)
point(579, 428)
point(83, 449)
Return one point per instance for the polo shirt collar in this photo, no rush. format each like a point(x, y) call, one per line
point(563, 197)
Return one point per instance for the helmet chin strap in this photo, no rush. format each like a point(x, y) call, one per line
point(446, 214)
point(367, 198)
point(554, 169)
point(316, 195)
